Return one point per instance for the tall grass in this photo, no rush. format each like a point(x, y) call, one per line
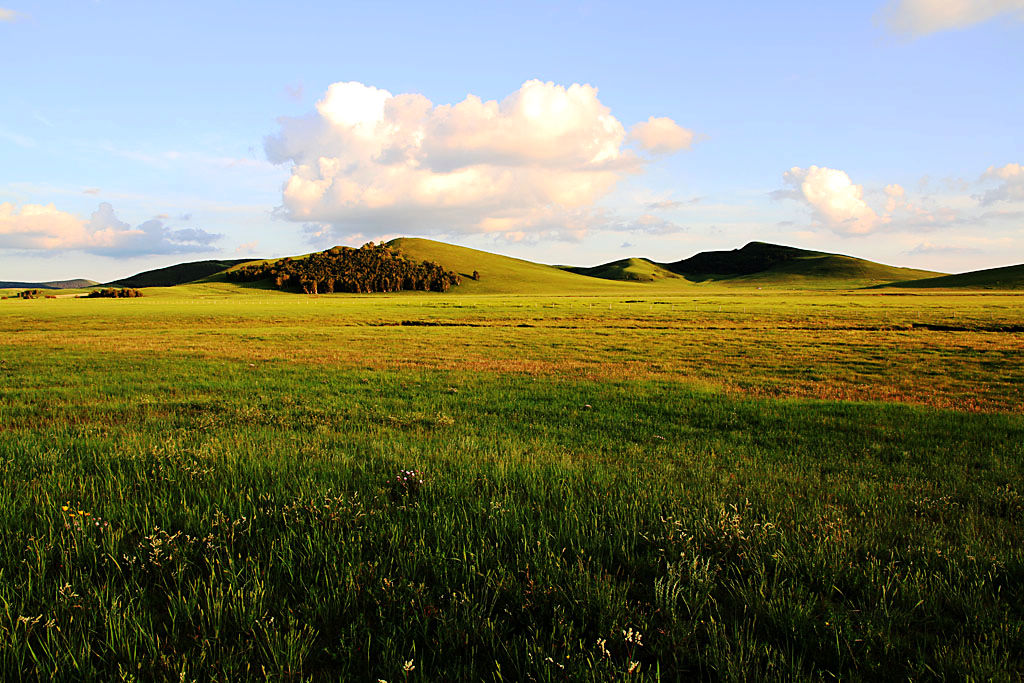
point(172, 516)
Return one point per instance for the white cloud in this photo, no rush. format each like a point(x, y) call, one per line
point(921, 17)
point(533, 164)
point(1011, 183)
point(836, 202)
point(9, 15)
point(839, 205)
point(661, 135)
point(39, 227)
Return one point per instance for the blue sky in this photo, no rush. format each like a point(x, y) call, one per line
point(135, 135)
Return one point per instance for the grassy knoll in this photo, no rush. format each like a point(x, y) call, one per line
point(689, 468)
point(178, 274)
point(635, 269)
point(1007, 277)
point(503, 274)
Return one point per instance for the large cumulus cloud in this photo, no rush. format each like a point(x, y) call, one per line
point(370, 162)
point(46, 228)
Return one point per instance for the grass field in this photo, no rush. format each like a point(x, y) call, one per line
point(214, 482)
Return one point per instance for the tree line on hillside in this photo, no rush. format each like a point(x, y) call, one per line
point(27, 294)
point(370, 268)
point(114, 293)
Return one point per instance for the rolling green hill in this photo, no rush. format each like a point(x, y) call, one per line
point(177, 275)
point(1007, 277)
point(757, 264)
point(774, 265)
point(631, 269)
point(501, 274)
point(754, 257)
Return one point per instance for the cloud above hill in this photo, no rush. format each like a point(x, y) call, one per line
point(46, 228)
point(535, 163)
point(921, 17)
point(1011, 183)
point(839, 205)
point(833, 198)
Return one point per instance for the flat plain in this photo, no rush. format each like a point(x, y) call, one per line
point(214, 482)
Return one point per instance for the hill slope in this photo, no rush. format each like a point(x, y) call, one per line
point(1007, 277)
point(501, 274)
point(176, 275)
point(55, 284)
point(632, 269)
point(763, 264)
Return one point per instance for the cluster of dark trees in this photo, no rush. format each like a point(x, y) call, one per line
point(370, 268)
point(114, 293)
point(29, 294)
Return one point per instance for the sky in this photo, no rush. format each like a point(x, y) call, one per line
point(139, 135)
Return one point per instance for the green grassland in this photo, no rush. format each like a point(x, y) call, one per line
point(206, 483)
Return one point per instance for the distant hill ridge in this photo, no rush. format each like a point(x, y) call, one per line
point(754, 257)
point(632, 269)
point(760, 263)
point(55, 284)
point(757, 264)
point(179, 274)
point(1007, 277)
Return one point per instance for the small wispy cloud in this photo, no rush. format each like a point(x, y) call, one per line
point(1011, 183)
point(930, 248)
point(17, 139)
point(673, 203)
point(9, 14)
point(916, 18)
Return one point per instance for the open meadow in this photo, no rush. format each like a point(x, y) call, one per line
point(223, 483)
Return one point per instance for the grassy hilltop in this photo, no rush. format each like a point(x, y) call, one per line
point(755, 265)
point(631, 269)
point(500, 274)
point(1007, 277)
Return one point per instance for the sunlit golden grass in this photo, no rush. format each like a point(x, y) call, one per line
point(731, 487)
point(943, 351)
